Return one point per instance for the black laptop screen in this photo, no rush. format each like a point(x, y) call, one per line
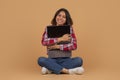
point(57, 31)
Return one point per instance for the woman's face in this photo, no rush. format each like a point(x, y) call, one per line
point(61, 18)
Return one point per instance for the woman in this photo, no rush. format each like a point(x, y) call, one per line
point(59, 53)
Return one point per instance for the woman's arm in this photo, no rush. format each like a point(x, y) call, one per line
point(66, 47)
point(70, 46)
point(48, 41)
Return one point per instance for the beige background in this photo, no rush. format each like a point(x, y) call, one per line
point(96, 24)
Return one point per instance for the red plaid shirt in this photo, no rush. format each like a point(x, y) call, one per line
point(66, 47)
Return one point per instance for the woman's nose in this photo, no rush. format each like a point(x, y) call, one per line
point(61, 17)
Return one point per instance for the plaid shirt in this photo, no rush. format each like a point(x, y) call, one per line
point(66, 47)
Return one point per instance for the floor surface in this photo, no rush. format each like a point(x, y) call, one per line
point(89, 74)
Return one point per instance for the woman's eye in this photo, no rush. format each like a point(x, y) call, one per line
point(64, 17)
point(59, 15)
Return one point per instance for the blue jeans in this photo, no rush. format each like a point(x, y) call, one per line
point(57, 64)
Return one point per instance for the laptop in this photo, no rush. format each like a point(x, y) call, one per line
point(57, 31)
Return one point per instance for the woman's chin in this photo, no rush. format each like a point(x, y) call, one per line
point(60, 24)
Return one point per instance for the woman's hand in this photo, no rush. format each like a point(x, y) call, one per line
point(55, 46)
point(65, 37)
